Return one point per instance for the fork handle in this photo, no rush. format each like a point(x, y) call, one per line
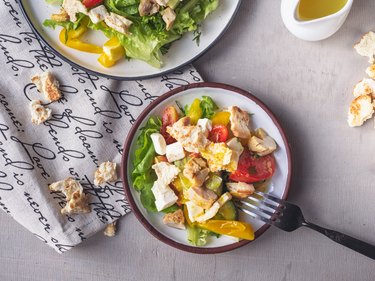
point(346, 240)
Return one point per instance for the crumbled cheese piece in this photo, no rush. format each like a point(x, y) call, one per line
point(118, 23)
point(169, 16)
point(370, 71)
point(360, 110)
point(240, 189)
point(110, 229)
point(192, 138)
point(239, 122)
point(366, 46)
point(47, 85)
point(166, 172)
point(175, 219)
point(39, 113)
point(73, 7)
point(364, 87)
point(76, 200)
point(105, 173)
point(218, 156)
point(98, 14)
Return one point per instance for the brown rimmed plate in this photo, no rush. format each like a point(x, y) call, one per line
point(224, 96)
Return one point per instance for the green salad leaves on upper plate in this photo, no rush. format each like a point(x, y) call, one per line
point(148, 38)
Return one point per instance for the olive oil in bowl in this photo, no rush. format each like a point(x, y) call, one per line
point(314, 9)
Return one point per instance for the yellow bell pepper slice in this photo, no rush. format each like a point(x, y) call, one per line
point(77, 44)
point(105, 61)
point(221, 118)
point(195, 112)
point(231, 228)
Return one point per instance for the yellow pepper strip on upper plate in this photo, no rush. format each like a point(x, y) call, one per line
point(231, 228)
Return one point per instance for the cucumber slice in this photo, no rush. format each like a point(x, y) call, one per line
point(227, 212)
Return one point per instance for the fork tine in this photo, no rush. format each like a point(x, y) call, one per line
point(240, 204)
point(263, 202)
point(263, 207)
point(271, 198)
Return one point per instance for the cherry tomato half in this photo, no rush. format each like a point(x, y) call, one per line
point(169, 117)
point(219, 133)
point(252, 169)
point(92, 3)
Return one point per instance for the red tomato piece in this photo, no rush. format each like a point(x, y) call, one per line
point(92, 3)
point(219, 133)
point(169, 117)
point(252, 169)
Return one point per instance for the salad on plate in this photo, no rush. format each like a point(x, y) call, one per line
point(136, 29)
point(191, 163)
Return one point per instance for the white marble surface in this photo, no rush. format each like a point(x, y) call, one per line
point(308, 86)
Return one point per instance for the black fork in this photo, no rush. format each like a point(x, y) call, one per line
point(289, 217)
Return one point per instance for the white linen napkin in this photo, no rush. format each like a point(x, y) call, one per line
point(88, 126)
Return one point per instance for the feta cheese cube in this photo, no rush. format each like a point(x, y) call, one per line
point(166, 172)
point(164, 196)
point(175, 152)
point(98, 14)
point(159, 143)
point(235, 145)
point(206, 125)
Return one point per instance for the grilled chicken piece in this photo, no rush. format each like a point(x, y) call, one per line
point(148, 8)
point(175, 219)
point(196, 171)
point(239, 122)
point(169, 16)
point(240, 189)
point(202, 197)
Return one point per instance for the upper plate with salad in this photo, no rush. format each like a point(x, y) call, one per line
point(193, 154)
point(130, 38)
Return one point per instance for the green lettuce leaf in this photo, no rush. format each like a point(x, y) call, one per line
point(208, 107)
point(143, 175)
point(68, 25)
point(198, 236)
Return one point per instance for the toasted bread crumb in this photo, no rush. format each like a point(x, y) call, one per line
point(111, 229)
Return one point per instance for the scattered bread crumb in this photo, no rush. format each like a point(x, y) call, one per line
point(105, 173)
point(47, 85)
point(370, 71)
point(364, 87)
point(366, 46)
point(360, 110)
point(39, 113)
point(111, 229)
point(76, 200)
point(60, 17)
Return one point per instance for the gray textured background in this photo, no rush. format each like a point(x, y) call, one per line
point(308, 86)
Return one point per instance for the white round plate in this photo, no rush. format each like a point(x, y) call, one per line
point(182, 52)
point(224, 96)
